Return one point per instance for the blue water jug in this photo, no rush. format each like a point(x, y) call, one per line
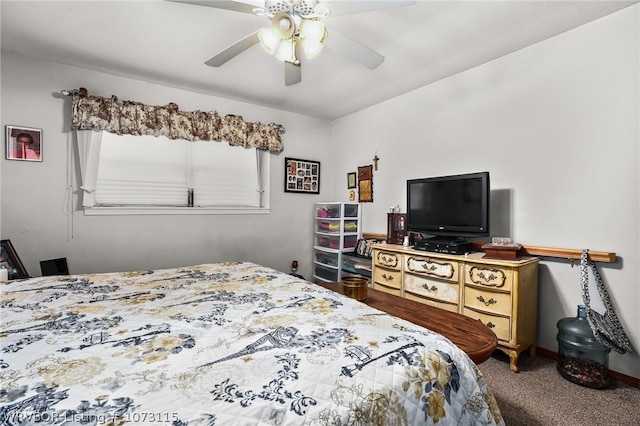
point(581, 358)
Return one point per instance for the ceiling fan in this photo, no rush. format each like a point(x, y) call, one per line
point(297, 26)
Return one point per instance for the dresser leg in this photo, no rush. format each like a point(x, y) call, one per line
point(532, 351)
point(513, 357)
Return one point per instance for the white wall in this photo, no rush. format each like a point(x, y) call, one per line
point(34, 212)
point(557, 125)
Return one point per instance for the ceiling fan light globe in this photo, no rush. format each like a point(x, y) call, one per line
point(313, 29)
point(310, 48)
point(269, 40)
point(286, 51)
point(283, 25)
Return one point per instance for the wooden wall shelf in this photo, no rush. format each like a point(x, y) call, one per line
point(565, 253)
point(562, 253)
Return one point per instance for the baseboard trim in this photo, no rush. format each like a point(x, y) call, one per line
point(619, 377)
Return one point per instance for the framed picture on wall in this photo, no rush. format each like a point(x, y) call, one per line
point(23, 143)
point(365, 184)
point(301, 176)
point(351, 180)
point(9, 260)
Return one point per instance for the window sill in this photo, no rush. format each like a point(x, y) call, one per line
point(114, 211)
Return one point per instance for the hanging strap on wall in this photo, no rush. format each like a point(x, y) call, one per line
point(600, 314)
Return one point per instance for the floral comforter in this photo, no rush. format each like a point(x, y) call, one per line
point(222, 344)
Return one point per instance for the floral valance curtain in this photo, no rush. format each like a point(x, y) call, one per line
point(135, 118)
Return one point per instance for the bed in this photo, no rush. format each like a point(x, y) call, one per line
point(230, 343)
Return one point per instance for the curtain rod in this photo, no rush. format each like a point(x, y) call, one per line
point(82, 91)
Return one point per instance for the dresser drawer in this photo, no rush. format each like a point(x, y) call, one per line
point(493, 302)
point(390, 290)
point(489, 276)
point(388, 277)
point(442, 305)
point(432, 288)
point(387, 259)
point(438, 268)
point(501, 326)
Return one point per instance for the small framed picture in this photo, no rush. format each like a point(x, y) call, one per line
point(365, 184)
point(9, 259)
point(351, 180)
point(23, 143)
point(301, 176)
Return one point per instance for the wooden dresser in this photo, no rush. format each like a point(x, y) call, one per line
point(502, 294)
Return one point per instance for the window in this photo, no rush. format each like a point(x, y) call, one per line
point(125, 174)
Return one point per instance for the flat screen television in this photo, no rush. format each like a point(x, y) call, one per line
point(449, 207)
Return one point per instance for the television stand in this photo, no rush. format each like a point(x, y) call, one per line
point(443, 244)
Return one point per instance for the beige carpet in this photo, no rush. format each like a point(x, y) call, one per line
point(539, 396)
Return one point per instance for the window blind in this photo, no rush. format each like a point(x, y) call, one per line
point(222, 175)
point(157, 171)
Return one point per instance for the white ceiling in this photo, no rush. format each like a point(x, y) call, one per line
point(167, 43)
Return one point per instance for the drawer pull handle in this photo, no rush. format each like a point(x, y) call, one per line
point(490, 324)
point(433, 287)
point(487, 278)
point(486, 302)
point(388, 278)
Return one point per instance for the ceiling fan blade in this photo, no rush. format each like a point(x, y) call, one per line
point(354, 50)
point(228, 5)
point(342, 8)
point(292, 73)
point(233, 50)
